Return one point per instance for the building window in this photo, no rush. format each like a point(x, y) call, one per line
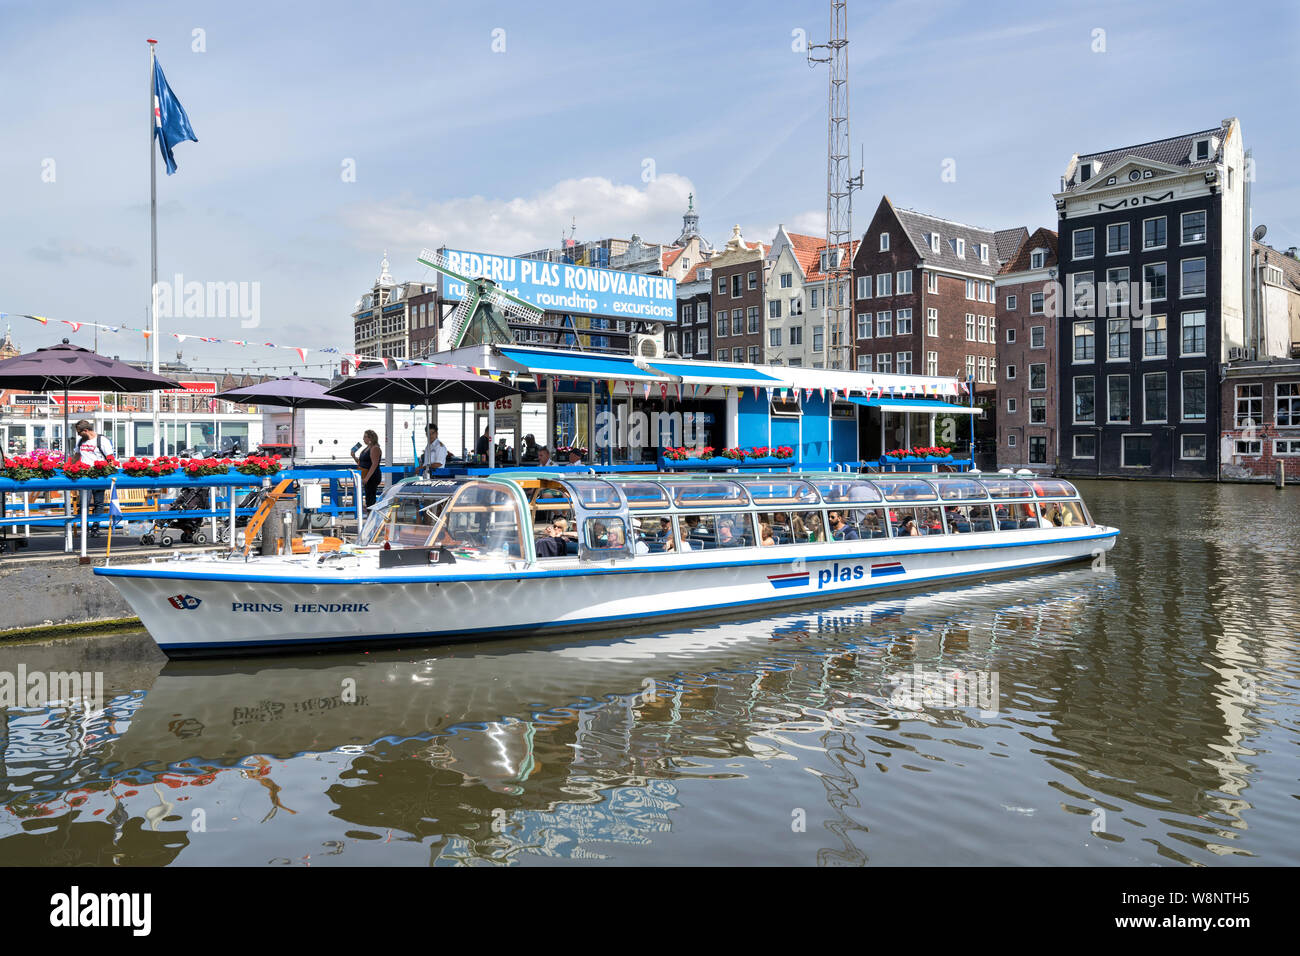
point(1011, 372)
point(884, 242)
point(737, 321)
point(1154, 235)
point(1011, 303)
point(774, 337)
point(970, 368)
point(1155, 399)
point(864, 325)
point(982, 375)
point(704, 313)
point(903, 322)
point(864, 287)
point(1083, 243)
point(1155, 281)
point(753, 280)
point(736, 286)
point(688, 314)
point(1117, 287)
point(1135, 451)
point(970, 288)
point(904, 282)
point(935, 239)
point(722, 323)
point(1194, 333)
point(1037, 450)
point(1085, 172)
point(1038, 336)
point(1116, 238)
point(1193, 227)
point(702, 344)
point(1117, 399)
point(796, 305)
point(864, 363)
point(722, 285)
point(1083, 293)
point(1085, 341)
point(904, 363)
point(1248, 447)
point(1085, 407)
point(1250, 406)
point(1035, 303)
point(884, 362)
point(884, 281)
point(1193, 447)
point(1037, 258)
point(1011, 440)
point(970, 326)
point(931, 363)
point(1194, 396)
point(754, 356)
point(688, 343)
point(818, 337)
point(1155, 337)
point(1202, 150)
point(1085, 446)
point(932, 322)
point(1287, 397)
point(753, 320)
point(932, 282)
point(796, 335)
point(722, 355)
point(1038, 411)
point(1193, 282)
point(787, 280)
point(1286, 447)
point(774, 308)
point(1117, 339)
point(1038, 376)
point(812, 297)
point(884, 323)
point(959, 247)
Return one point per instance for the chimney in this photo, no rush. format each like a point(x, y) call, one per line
point(1291, 251)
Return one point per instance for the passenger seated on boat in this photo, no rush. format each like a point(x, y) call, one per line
point(765, 538)
point(639, 545)
point(872, 526)
point(1052, 515)
point(931, 523)
point(552, 544)
point(599, 535)
point(958, 520)
point(841, 530)
point(909, 528)
point(727, 536)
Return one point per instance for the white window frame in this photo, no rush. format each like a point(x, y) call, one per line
point(898, 363)
point(1182, 326)
point(970, 326)
point(1204, 233)
point(1074, 448)
point(961, 248)
point(931, 363)
point(1146, 291)
point(884, 324)
point(1042, 330)
point(936, 241)
point(981, 328)
point(1011, 336)
point(1122, 463)
point(884, 284)
point(1011, 406)
point(1011, 372)
point(1074, 400)
point(1182, 278)
point(1182, 447)
point(884, 362)
point(1110, 419)
point(904, 278)
point(864, 287)
point(1011, 303)
point(1154, 421)
point(1011, 439)
point(1074, 242)
point(1257, 444)
point(1165, 245)
point(932, 322)
point(1293, 448)
point(864, 322)
point(1148, 327)
point(1037, 258)
point(1125, 328)
point(884, 242)
point(970, 289)
point(1041, 303)
point(1074, 337)
point(1029, 386)
point(899, 319)
point(1043, 406)
point(1293, 405)
point(1127, 246)
point(932, 282)
point(1182, 394)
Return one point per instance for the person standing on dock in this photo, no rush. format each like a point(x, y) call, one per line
point(435, 453)
point(90, 449)
point(369, 459)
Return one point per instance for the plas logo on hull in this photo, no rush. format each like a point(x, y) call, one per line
point(184, 602)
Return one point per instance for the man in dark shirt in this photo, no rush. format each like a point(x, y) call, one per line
point(841, 530)
point(484, 442)
point(552, 544)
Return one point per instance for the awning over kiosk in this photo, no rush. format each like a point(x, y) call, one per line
point(697, 373)
point(923, 405)
point(581, 365)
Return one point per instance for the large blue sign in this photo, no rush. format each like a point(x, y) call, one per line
point(560, 287)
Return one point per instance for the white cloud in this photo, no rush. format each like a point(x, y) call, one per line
point(57, 250)
point(600, 207)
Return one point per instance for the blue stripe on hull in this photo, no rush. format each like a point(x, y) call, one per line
point(612, 620)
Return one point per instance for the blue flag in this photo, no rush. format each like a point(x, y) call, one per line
point(171, 125)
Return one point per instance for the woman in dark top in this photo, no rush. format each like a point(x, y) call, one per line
point(370, 459)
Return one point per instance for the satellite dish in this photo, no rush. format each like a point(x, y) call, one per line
point(1260, 232)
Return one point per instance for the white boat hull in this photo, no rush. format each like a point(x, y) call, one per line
point(214, 606)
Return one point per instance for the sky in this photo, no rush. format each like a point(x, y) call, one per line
point(331, 131)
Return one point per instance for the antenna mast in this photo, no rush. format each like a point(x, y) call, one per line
point(839, 191)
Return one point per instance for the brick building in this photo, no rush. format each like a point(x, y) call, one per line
point(1026, 348)
point(1261, 419)
point(691, 339)
point(737, 300)
point(924, 298)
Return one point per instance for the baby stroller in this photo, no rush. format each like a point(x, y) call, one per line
point(165, 531)
point(249, 500)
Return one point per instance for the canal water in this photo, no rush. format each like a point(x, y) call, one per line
point(1141, 711)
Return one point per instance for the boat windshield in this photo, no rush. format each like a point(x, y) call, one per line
point(595, 495)
point(644, 495)
point(405, 521)
point(785, 491)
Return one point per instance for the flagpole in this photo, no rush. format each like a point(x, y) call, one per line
point(153, 238)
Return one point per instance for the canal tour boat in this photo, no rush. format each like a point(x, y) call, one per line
point(521, 552)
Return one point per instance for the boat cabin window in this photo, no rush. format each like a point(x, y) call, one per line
point(1063, 514)
point(709, 494)
point(1007, 488)
point(705, 532)
point(855, 524)
point(953, 489)
point(794, 527)
point(643, 495)
point(605, 538)
point(842, 492)
point(485, 518)
point(872, 522)
point(406, 521)
point(914, 522)
point(655, 532)
point(968, 519)
point(596, 495)
point(781, 492)
point(1054, 488)
point(905, 489)
point(1016, 514)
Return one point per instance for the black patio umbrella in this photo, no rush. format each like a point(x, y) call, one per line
point(62, 367)
point(292, 393)
point(426, 385)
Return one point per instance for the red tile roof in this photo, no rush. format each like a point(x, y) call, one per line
point(1042, 238)
point(669, 255)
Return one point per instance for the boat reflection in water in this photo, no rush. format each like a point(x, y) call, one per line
point(533, 749)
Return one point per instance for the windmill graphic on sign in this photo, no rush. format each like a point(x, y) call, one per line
point(483, 313)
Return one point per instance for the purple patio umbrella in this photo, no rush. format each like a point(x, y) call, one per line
point(63, 367)
point(292, 393)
